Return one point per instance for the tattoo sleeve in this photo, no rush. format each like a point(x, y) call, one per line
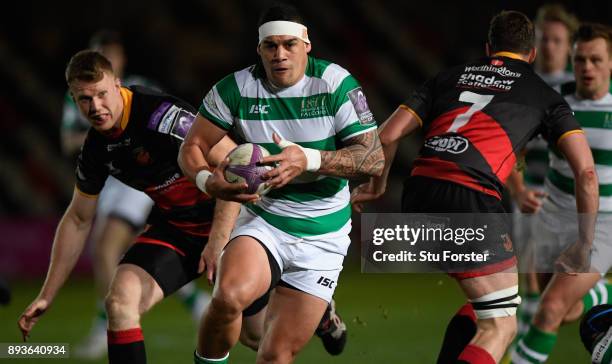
point(361, 156)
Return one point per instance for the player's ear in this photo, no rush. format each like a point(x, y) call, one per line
point(308, 47)
point(487, 49)
point(258, 49)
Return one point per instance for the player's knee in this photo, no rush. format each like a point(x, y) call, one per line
point(550, 313)
point(228, 302)
point(120, 309)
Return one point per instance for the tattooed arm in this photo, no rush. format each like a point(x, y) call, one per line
point(361, 156)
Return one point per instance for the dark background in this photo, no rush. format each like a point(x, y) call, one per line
point(186, 46)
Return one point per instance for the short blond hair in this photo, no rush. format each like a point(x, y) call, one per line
point(87, 66)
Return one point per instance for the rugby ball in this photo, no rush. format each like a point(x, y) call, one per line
point(243, 167)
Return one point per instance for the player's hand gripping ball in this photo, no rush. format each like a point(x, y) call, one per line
point(244, 166)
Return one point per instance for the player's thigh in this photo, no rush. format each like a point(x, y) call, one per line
point(291, 320)
point(244, 270)
point(494, 298)
point(169, 256)
point(477, 287)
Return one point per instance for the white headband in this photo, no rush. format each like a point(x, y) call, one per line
point(280, 27)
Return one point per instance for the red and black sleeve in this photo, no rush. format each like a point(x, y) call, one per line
point(559, 122)
point(420, 101)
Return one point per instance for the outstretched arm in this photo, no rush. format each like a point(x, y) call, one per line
point(68, 244)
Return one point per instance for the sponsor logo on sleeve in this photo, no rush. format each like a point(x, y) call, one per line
point(165, 125)
point(183, 123)
point(360, 104)
point(157, 115)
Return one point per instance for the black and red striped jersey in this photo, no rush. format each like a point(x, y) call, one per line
point(144, 156)
point(476, 118)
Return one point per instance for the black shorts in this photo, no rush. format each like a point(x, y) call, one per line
point(430, 195)
point(170, 255)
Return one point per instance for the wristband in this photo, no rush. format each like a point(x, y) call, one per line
point(201, 179)
point(313, 156)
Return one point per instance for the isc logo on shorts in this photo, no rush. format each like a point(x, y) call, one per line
point(326, 282)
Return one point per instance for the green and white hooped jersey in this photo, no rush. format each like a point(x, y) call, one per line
point(321, 111)
point(555, 80)
point(595, 117)
point(537, 149)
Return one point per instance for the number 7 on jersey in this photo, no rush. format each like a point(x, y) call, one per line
point(478, 103)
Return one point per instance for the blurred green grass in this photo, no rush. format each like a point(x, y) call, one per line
point(392, 318)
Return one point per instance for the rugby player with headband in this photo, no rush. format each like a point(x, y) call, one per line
point(313, 117)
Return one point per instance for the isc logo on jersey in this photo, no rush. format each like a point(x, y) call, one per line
point(454, 144)
point(259, 109)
